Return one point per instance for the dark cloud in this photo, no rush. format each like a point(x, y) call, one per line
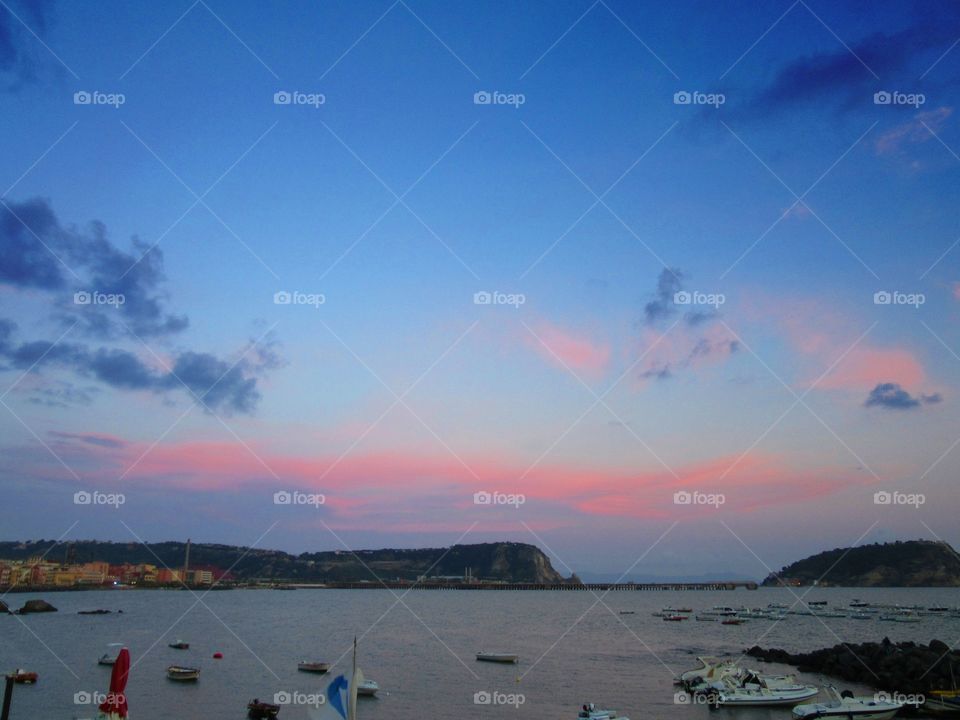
point(894, 397)
point(90, 439)
point(215, 383)
point(669, 283)
point(61, 394)
point(19, 50)
point(37, 251)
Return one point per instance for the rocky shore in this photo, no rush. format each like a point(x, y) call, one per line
point(904, 667)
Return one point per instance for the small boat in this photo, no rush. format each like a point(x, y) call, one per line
point(900, 618)
point(183, 674)
point(861, 616)
point(179, 645)
point(759, 694)
point(497, 657)
point(261, 710)
point(817, 602)
point(721, 610)
point(942, 703)
point(628, 612)
point(23, 677)
point(776, 606)
point(857, 603)
point(590, 712)
point(367, 688)
point(732, 621)
point(675, 618)
point(313, 667)
point(845, 705)
point(99, 611)
point(106, 659)
point(705, 618)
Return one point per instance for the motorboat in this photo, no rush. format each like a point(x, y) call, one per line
point(860, 616)
point(675, 618)
point(367, 688)
point(845, 705)
point(318, 668)
point(258, 710)
point(497, 657)
point(720, 610)
point(106, 659)
point(180, 673)
point(628, 612)
point(900, 618)
point(706, 618)
point(728, 674)
point(942, 703)
point(710, 670)
point(732, 621)
point(179, 645)
point(857, 603)
point(817, 602)
point(759, 694)
point(24, 677)
point(590, 712)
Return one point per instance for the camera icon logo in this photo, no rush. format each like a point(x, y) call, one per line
point(682, 97)
point(282, 297)
point(682, 298)
point(82, 97)
point(681, 698)
point(882, 98)
point(482, 97)
point(82, 297)
point(882, 497)
point(82, 698)
point(682, 497)
point(282, 97)
point(882, 298)
point(282, 697)
point(82, 497)
point(482, 697)
point(482, 498)
point(482, 298)
point(282, 497)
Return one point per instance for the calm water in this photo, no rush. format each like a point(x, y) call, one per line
point(425, 664)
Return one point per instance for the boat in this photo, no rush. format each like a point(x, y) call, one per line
point(180, 673)
point(24, 677)
point(705, 618)
point(759, 695)
point(261, 710)
point(860, 616)
point(367, 688)
point(830, 614)
point(179, 645)
point(497, 657)
point(674, 618)
point(313, 667)
point(900, 618)
point(720, 610)
point(724, 675)
point(845, 705)
point(776, 606)
point(710, 669)
point(106, 659)
point(857, 603)
point(590, 712)
point(942, 703)
point(732, 621)
point(628, 612)
point(817, 602)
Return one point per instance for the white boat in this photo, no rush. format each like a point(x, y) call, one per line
point(721, 610)
point(106, 659)
point(313, 667)
point(590, 712)
point(497, 657)
point(760, 694)
point(900, 618)
point(367, 688)
point(710, 670)
point(183, 674)
point(845, 705)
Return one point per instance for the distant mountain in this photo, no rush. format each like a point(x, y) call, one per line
point(503, 561)
point(913, 563)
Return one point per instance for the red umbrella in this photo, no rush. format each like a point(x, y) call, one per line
point(116, 703)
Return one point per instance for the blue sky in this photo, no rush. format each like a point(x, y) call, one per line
point(796, 197)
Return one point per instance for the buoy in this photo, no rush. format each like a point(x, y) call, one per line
point(218, 656)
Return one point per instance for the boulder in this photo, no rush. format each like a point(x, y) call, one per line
point(4, 610)
point(36, 606)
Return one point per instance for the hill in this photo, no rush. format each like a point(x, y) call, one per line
point(913, 563)
point(501, 561)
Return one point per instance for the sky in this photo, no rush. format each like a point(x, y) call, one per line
point(664, 292)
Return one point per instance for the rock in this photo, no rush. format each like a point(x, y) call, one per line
point(939, 647)
point(36, 606)
point(4, 610)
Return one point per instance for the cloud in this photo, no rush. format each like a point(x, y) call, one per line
point(37, 251)
point(662, 306)
point(559, 346)
point(684, 350)
point(917, 130)
point(893, 397)
point(97, 439)
point(19, 61)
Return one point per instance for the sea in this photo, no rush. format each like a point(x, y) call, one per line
point(574, 647)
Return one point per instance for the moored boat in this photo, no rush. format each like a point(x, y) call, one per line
point(845, 705)
point(367, 688)
point(262, 710)
point(318, 668)
point(24, 677)
point(179, 645)
point(497, 657)
point(590, 712)
point(106, 659)
point(759, 694)
point(179, 673)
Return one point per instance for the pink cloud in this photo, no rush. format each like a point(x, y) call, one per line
point(956, 291)
point(913, 131)
point(560, 347)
